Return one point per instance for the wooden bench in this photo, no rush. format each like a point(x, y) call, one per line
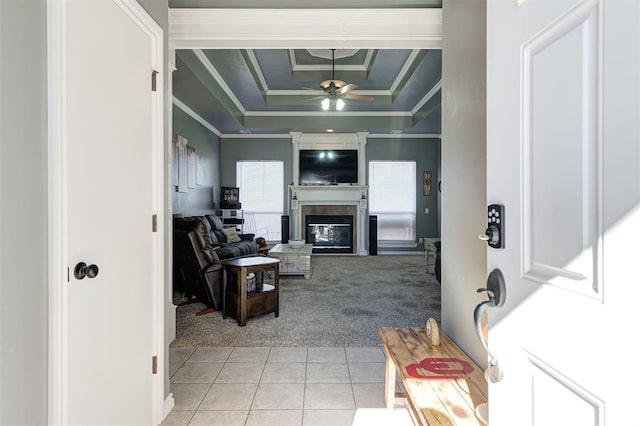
point(443, 385)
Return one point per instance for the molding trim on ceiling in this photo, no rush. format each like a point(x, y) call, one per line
point(405, 136)
point(410, 28)
point(364, 67)
point(369, 136)
point(216, 75)
point(385, 95)
point(328, 114)
point(177, 102)
point(430, 94)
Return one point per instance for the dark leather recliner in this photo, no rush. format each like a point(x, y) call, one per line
point(198, 246)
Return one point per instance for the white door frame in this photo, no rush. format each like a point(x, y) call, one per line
point(57, 211)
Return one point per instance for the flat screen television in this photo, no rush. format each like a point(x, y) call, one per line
point(328, 167)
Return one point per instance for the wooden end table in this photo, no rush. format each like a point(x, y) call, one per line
point(242, 304)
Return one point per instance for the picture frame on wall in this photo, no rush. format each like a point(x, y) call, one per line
point(426, 182)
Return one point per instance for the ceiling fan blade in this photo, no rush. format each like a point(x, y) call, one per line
point(313, 98)
point(358, 97)
point(349, 87)
point(311, 88)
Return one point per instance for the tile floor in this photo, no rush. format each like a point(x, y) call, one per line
point(280, 386)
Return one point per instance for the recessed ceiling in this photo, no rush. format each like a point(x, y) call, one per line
point(267, 91)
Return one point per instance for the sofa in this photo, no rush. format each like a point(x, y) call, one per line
point(200, 243)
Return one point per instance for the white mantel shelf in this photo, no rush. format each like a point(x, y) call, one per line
point(339, 192)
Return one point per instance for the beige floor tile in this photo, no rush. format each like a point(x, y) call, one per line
point(180, 355)
point(173, 367)
point(254, 354)
point(278, 396)
point(188, 395)
point(369, 395)
point(240, 372)
point(382, 416)
point(229, 396)
point(328, 396)
point(211, 355)
point(327, 372)
point(328, 417)
point(201, 372)
point(219, 418)
point(288, 355)
point(275, 417)
point(367, 372)
point(326, 354)
point(284, 372)
point(365, 354)
point(177, 418)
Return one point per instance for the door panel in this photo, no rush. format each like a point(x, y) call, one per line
point(560, 211)
point(563, 133)
point(108, 149)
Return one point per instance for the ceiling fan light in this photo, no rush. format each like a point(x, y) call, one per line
point(339, 104)
point(325, 104)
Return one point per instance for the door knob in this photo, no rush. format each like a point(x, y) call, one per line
point(83, 270)
point(496, 291)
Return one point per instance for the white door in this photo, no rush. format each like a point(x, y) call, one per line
point(104, 117)
point(564, 159)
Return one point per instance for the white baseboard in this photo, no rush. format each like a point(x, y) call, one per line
point(168, 405)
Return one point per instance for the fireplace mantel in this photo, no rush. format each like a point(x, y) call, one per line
point(330, 195)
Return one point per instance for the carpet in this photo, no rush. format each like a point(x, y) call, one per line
point(344, 303)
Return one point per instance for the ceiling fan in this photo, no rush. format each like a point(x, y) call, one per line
point(335, 91)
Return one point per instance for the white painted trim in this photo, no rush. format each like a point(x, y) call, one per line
point(369, 136)
point(404, 28)
point(406, 136)
point(429, 95)
point(256, 136)
point(177, 102)
point(168, 405)
point(56, 110)
point(262, 82)
point(57, 202)
point(216, 75)
point(404, 70)
point(328, 114)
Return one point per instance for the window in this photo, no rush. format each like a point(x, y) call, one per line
point(261, 186)
point(392, 197)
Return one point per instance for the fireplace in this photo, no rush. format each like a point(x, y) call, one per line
point(329, 233)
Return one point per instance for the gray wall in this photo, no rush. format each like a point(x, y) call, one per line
point(199, 200)
point(464, 257)
point(236, 149)
point(426, 154)
point(23, 213)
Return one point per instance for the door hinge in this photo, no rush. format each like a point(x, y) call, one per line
point(154, 365)
point(68, 278)
point(154, 223)
point(154, 75)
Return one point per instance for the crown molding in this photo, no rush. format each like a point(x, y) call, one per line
point(405, 136)
point(218, 78)
point(177, 102)
point(369, 136)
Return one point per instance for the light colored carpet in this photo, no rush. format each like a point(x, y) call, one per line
point(346, 301)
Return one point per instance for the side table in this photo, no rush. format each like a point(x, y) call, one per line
point(240, 304)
